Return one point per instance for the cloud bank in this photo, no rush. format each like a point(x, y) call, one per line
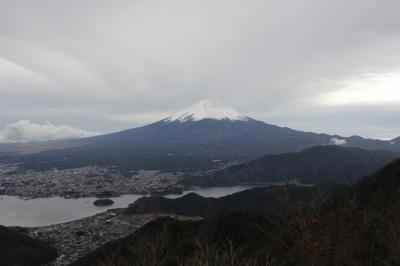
point(105, 66)
point(26, 131)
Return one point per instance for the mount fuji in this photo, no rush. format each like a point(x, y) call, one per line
point(204, 136)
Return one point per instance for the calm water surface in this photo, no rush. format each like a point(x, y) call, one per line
point(47, 211)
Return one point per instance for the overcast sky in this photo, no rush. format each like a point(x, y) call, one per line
point(102, 66)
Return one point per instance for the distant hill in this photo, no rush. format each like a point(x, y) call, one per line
point(207, 135)
point(17, 249)
point(320, 164)
point(359, 226)
point(273, 199)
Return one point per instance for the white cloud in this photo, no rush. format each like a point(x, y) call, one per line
point(337, 141)
point(368, 89)
point(26, 131)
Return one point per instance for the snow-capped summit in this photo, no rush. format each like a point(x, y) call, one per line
point(207, 109)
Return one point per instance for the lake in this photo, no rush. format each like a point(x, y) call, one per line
point(15, 211)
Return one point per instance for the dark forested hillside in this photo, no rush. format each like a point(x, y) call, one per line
point(273, 199)
point(360, 226)
point(320, 164)
point(232, 239)
point(17, 249)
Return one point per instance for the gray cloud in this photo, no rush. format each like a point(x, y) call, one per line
point(26, 131)
point(105, 66)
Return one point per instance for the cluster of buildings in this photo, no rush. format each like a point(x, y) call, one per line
point(77, 238)
point(85, 182)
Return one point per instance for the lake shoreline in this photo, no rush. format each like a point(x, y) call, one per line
point(15, 211)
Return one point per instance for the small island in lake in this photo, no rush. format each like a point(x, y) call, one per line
point(103, 202)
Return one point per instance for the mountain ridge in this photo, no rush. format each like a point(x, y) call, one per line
point(315, 165)
point(199, 138)
point(270, 199)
